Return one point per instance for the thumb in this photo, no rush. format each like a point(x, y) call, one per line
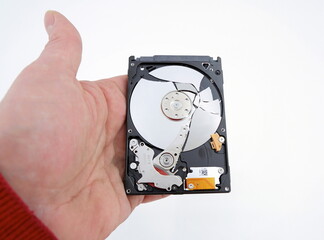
point(64, 48)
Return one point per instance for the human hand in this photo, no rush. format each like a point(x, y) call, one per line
point(62, 141)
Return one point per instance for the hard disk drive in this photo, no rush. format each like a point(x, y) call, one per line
point(176, 139)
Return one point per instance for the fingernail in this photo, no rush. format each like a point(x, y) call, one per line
point(49, 21)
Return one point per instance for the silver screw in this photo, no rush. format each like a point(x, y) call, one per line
point(128, 191)
point(132, 64)
point(166, 160)
point(191, 186)
point(227, 189)
point(221, 139)
point(221, 170)
point(133, 142)
point(223, 130)
point(133, 165)
point(129, 130)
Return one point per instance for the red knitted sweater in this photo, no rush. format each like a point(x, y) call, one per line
point(16, 220)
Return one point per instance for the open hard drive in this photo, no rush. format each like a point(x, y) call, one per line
point(176, 134)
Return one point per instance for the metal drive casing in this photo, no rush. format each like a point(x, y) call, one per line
point(176, 141)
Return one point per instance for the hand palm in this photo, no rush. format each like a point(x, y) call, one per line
point(68, 137)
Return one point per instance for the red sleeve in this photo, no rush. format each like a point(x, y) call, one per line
point(16, 220)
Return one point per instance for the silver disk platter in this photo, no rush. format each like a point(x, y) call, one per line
point(176, 133)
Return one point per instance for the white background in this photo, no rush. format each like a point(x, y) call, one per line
point(273, 55)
